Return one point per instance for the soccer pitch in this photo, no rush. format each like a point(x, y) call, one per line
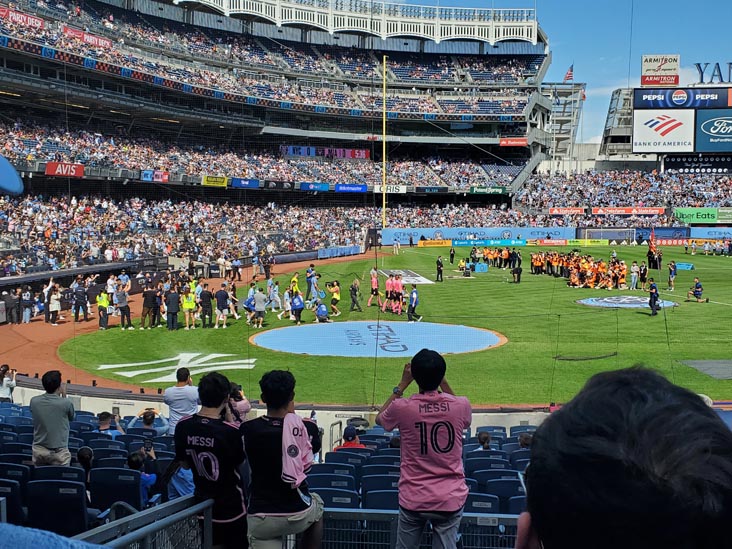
point(548, 344)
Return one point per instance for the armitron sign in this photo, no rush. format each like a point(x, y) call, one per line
point(660, 70)
point(64, 169)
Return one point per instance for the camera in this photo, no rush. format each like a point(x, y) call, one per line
point(147, 444)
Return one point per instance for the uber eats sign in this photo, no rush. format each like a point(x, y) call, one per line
point(703, 216)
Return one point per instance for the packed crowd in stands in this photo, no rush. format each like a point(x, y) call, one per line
point(247, 51)
point(23, 141)
point(627, 188)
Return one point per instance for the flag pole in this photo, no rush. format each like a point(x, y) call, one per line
point(383, 145)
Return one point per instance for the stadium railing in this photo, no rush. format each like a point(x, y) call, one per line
point(171, 525)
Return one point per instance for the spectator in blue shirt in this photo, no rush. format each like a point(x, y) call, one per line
point(297, 306)
point(136, 461)
point(180, 481)
point(105, 425)
point(146, 420)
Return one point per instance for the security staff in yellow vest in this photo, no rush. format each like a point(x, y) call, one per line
point(102, 304)
point(188, 304)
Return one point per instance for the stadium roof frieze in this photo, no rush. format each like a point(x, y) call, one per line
point(388, 20)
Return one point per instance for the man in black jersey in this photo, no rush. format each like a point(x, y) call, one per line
point(278, 508)
point(213, 449)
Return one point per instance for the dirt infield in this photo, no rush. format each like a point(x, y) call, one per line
point(33, 348)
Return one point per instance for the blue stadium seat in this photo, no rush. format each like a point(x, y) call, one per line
point(389, 452)
point(333, 468)
point(472, 484)
point(467, 448)
point(357, 460)
point(516, 429)
point(108, 485)
point(510, 447)
point(106, 442)
point(487, 454)
point(516, 505)
point(16, 471)
point(81, 426)
point(7, 436)
point(128, 438)
point(58, 506)
point(58, 472)
point(381, 499)
point(364, 451)
point(25, 438)
point(19, 421)
point(24, 429)
point(10, 490)
point(491, 429)
point(384, 460)
point(7, 428)
point(75, 443)
point(369, 483)
point(520, 454)
point(84, 413)
point(521, 464)
point(341, 482)
point(374, 438)
point(113, 462)
point(341, 499)
point(480, 464)
point(494, 474)
point(482, 503)
point(168, 442)
point(164, 454)
point(22, 459)
point(88, 436)
point(392, 470)
point(17, 448)
point(149, 433)
point(101, 453)
point(505, 489)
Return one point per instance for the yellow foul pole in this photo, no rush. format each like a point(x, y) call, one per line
point(383, 145)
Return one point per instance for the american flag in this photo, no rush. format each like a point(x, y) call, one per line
point(583, 96)
point(570, 73)
point(652, 241)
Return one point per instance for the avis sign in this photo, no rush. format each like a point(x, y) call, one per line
point(64, 169)
point(197, 363)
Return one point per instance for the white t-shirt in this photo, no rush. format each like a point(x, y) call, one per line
point(182, 401)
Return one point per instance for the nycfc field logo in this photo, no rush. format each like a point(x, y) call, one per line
point(623, 302)
point(197, 363)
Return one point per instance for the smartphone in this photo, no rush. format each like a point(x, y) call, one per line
point(148, 444)
point(115, 410)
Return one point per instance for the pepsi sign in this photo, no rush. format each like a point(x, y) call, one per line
point(682, 98)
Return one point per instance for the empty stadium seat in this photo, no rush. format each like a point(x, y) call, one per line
point(23, 459)
point(128, 438)
point(505, 489)
point(17, 448)
point(381, 499)
point(384, 460)
point(482, 503)
point(10, 490)
point(510, 447)
point(521, 464)
point(58, 472)
point(101, 453)
point(149, 433)
point(99, 443)
point(7, 436)
point(392, 470)
point(494, 474)
point(25, 438)
point(357, 460)
point(108, 485)
point(480, 464)
point(491, 429)
point(379, 482)
point(520, 454)
point(341, 499)
point(18, 472)
point(58, 506)
point(110, 462)
point(75, 443)
point(516, 505)
point(333, 468)
point(472, 484)
point(341, 482)
point(516, 429)
point(81, 427)
point(389, 452)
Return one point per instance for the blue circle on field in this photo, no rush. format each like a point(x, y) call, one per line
point(623, 302)
point(384, 339)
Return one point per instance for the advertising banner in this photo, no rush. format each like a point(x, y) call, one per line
point(391, 189)
point(348, 188)
point(433, 243)
point(431, 190)
point(682, 98)
point(698, 163)
point(587, 242)
point(513, 142)
point(157, 176)
point(566, 211)
point(711, 233)
point(696, 216)
point(477, 233)
point(64, 169)
point(214, 181)
point(281, 185)
point(20, 18)
point(714, 130)
point(498, 242)
point(660, 131)
point(239, 183)
point(542, 242)
point(91, 39)
point(314, 186)
point(488, 190)
point(724, 215)
point(628, 211)
point(660, 70)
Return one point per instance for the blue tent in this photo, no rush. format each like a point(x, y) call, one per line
point(10, 181)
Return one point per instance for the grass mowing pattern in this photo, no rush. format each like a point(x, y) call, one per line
point(539, 317)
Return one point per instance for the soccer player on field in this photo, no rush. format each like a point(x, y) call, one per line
point(374, 288)
point(389, 285)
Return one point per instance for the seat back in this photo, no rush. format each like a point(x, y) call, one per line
point(127, 438)
point(101, 453)
point(58, 506)
point(516, 429)
point(524, 453)
point(341, 499)
point(7, 436)
point(57, 472)
point(483, 463)
point(516, 505)
point(108, 485)
point(389, 452)
point(482, 503)
point(381, 499)
point(148, 433)
point(333, 468)
point(341, 482)
point(114, 462)
point(494, 474)
point(17, 448)
point(16, 471)
point(505, 489)
point(22, 459)
point(10, 490)
point(393, 470)
point(384, 460)
point(81, 426)
point(369, 483)
point(99, 443)
point(510, 447)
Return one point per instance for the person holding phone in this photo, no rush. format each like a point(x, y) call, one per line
point(144, 461)
point(105, 425)
point(51, 412)
point(7, 383)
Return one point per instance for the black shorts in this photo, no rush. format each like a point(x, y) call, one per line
point(230, 534)
point(374, 291)
point(334, 301)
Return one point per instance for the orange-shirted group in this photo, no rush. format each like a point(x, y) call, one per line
point(582, 271)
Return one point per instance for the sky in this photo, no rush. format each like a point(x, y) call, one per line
point(595, 36)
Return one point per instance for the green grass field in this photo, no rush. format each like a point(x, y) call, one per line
point(540, 318)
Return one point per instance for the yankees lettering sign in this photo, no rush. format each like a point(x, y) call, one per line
point(64, 169)
point(660, 70)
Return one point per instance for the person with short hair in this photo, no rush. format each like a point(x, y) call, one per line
point(211, 446)
point(222, 306)
point(172, 308)
point(105, 425)
point(354, 292)
point(431, 423)
point(524, 440)
point(280, 446)
point(260, 307)
point(120, 300)
point(51, 413)
point(204, 300)
point(412, 315)
point(653, 296)
point(696, 292)
point(182, 399)
point(632, 461)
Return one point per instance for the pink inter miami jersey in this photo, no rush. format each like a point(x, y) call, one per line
point(431, 427)
point(389, 284)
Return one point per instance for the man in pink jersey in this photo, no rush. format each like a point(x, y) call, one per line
point(431, 423)
point(389, 286)
point(374, 288)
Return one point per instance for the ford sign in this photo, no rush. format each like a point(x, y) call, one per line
point(718, 126)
